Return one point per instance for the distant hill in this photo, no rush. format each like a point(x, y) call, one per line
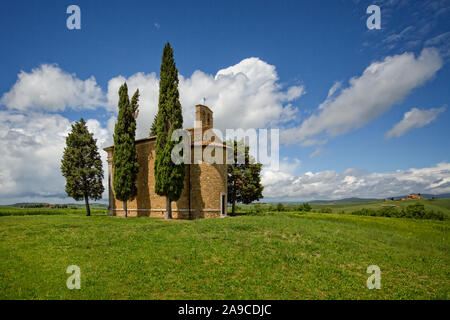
point(364, 200)
point(346, 200)
point(429, 196)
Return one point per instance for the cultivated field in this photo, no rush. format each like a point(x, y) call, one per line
point(282, 255)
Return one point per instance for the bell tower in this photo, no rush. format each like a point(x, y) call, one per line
point(205, 115)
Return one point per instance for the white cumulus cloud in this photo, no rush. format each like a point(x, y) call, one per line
point(148, 85)
point(381, 85)
point(246, 95)
point(52, 89)
point(282, 185)
point(31, 148)
point(413, 119)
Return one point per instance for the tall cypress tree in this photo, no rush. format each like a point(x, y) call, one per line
point(81, 165)
point(169, 177)
point(153, 128)
point(135, 105)
point(125, 156)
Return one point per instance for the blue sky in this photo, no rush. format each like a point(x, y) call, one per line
point(309, 45)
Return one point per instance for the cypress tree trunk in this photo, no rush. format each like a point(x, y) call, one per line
point(168, 208)
point(169, 176)
point(233, 198)
point(88, 209)
point(125, 209)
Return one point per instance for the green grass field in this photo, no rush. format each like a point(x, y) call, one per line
point(280, 256)
point(15, 211)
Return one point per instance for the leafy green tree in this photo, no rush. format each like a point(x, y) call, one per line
point(280, 207)
point(81, 165)
point(125, 156)
point(416, 210)
point(244, 179)
point(307, 207)
point(169, 177)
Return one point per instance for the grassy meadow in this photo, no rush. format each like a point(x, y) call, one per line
point(281, 255)
point(439, 207)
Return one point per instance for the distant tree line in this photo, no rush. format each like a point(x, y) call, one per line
point(244, 179)
point(42, 205)
point(264, 208)
point(413, 211)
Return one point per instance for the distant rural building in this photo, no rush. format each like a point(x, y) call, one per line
point(205, 185)
point(413, 196)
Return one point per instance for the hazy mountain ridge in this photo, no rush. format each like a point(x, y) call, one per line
point(364, 200)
